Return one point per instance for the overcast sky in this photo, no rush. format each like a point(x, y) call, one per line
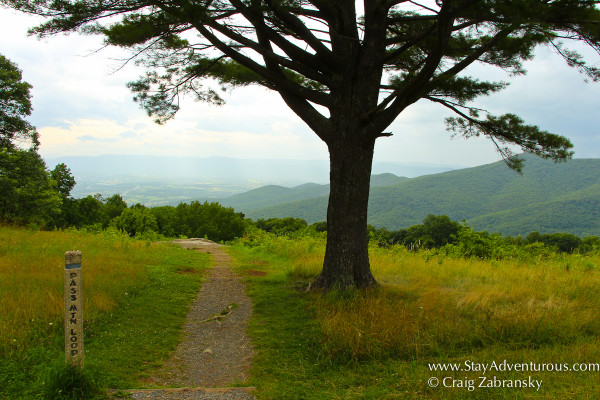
point(82, 107)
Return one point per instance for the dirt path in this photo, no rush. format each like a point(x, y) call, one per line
point(215, 352)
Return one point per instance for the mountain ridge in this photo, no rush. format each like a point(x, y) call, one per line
point(547, 197)
point(270, 195)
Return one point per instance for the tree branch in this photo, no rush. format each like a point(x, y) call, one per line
point(413, 90)
point(474, 56)
point(302, 32)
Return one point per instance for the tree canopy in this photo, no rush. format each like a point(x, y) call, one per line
point(320, 54)
point(28, 193)
point(348, 69)
point(15, 106)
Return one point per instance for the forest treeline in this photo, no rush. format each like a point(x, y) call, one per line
point(96, 213)
point(35, 196)
point(440, 234)
point(40, 198)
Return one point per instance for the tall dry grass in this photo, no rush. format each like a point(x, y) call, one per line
point(31, 279)
point(436, 306)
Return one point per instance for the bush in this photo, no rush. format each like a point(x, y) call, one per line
point(435, 232)
point(589, 244)
point(562, 242)
point(320, 226)
point(281, 226)
point(71, 382)
point(210, 220)
point(136, 221)
point(476, 244)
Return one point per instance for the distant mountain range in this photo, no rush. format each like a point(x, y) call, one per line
point(267, 197)
point(223, 169)
point(547, 197)
point(157, 180)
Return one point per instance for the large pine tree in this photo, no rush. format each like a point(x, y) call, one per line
point(348, 69)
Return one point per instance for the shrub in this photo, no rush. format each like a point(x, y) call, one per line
point(282, 226)
point(562, 242)
point(210, 220)
point(136, 221)
point(66, 381)
point(589, 244)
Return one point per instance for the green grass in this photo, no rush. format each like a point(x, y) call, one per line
point(376, 345)
point(136, 294)
point(380, 344)
point(132, 341)
point(65, 381)
point(292, 361)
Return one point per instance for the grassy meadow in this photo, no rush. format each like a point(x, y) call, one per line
point(430, 309)
point(136, 297)
point(529, 318)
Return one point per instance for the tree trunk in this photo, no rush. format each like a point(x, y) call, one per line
point(346, 263)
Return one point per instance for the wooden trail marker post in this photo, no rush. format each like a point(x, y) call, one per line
point(73, 309)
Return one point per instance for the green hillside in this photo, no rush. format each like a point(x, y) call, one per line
point(272, 195)
point(581, 217)
point(386, 180)
point(547, 197)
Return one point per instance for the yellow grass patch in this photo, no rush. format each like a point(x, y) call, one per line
point(431, 304)
point(31, 278)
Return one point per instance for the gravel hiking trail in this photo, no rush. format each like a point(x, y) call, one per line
point(215, 353)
